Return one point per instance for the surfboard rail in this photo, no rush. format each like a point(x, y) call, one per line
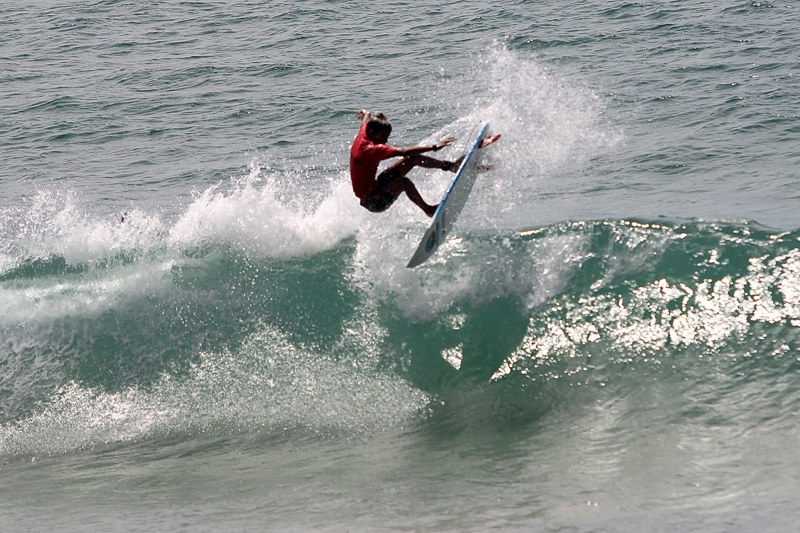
point(451, 205)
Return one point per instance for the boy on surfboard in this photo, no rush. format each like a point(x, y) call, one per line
point(377, 194)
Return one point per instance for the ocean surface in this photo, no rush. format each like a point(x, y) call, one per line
point(202, 330)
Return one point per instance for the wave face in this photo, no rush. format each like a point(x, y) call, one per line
point(135, 330)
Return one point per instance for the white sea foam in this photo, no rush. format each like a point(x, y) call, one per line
point(55, 223)
point(254, 218)
point(550, 129)
point(269, 216)
point(475, 268)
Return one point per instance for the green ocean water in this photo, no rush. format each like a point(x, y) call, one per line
point(201, 330)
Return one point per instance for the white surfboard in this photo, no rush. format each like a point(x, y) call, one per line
point(451, 205)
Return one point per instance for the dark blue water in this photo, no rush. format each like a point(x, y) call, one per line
point(200, 329)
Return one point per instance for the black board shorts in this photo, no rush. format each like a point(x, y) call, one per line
point(381, 199)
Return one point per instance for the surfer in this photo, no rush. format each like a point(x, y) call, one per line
point(370, 148)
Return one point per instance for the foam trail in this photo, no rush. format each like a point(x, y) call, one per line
point(255, 220)
point(54, 224)
point(256, 214)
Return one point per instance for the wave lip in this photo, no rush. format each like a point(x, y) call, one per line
point(701, 289)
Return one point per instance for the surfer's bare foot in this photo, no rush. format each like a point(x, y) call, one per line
point(431, 210)
point(489, 140)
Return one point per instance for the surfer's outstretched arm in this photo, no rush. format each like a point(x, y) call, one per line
point(417, 150)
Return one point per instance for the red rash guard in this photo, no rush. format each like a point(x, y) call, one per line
point(364, 158)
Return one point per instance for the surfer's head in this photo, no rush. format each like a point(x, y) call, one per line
point(378, 128)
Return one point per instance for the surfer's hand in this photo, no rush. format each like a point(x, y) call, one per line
point(446, 141)
point(362, 114)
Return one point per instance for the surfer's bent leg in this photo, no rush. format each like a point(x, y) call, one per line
point(400, 183)
point(392, 184)
point(406, 185)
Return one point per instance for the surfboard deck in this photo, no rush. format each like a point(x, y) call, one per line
point(451, 205)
